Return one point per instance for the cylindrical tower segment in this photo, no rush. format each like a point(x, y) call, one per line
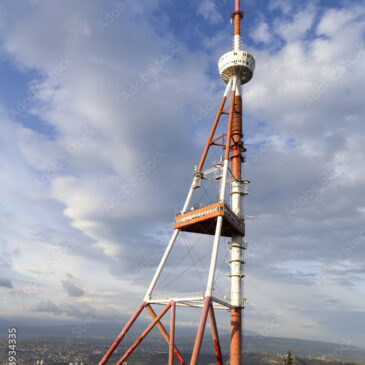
point(237, 15)
point(236, 246)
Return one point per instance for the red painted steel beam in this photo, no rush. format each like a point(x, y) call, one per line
point(217, 345)
point(237, 15)
point(236, 336)
point(229, 128)
point(122, 334)
point(211, 134)
point(172, 334)
point(165, 335)
point(237, 150)
point(143, 335)
point(236, 130)
point(200, 334)
point(218, 138)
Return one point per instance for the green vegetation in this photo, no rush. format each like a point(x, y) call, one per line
point(289, 359)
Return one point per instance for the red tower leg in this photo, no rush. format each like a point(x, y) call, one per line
point(200, 334)
point(229, 127)
point(122, 334)
point(165, 335)
point(143, 335)
point(217, 345)
point(172, 334)
point(211, 135)
point(236, 337)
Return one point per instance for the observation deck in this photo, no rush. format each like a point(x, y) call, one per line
point(236, 63)
point(203, 220)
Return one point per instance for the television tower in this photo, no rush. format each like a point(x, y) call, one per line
point(220, 219)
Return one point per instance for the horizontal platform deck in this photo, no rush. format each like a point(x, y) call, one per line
point(203, 220)
point(190, 300)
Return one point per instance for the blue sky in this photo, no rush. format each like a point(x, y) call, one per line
point(93, 93)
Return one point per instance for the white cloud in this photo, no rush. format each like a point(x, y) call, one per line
point(262, 33)
point(284, 5)
point(71, 289)
point(337, 20)
point(5, 283)
point(297, 27)
point(103, 148)
point(92, 154)
point(208, 10)
point(47, 306)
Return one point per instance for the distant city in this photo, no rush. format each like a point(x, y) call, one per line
point(63, 353)
point(43, 353)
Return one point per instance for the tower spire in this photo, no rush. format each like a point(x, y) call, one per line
point(237, 15)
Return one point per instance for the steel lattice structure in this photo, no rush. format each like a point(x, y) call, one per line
point(236, 68)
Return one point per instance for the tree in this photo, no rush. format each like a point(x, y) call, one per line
point(289, 359)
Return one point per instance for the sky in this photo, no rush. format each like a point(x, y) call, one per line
point(105, 107)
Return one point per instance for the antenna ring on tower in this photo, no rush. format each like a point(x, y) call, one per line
point(238, 12)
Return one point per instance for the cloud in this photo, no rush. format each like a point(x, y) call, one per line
point(208, 10)
point(96, 166)
point(335, 21)
point(93, 136)
point(297, 26)
point(284, 5)
point(5, 283)
point(46, 306)
point(71, 289)
point(70, 310)
point(262, 33)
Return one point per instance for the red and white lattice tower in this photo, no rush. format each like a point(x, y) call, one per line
point(220, 219)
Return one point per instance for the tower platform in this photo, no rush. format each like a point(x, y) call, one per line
point(203, 220)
